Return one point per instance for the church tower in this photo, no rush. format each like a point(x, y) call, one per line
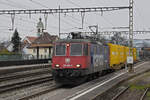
point(40, 27)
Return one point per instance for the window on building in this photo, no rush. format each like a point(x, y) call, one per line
point(41, 56)
point(34, 50)
point(45, 50)
point(45, 56)
point(38, 30)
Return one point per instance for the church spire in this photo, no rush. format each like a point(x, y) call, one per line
point(40, 27)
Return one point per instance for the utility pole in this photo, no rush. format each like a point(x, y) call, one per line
point(59, 21)
point(130, 57)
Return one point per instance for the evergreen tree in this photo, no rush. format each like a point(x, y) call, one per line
point(16, 41)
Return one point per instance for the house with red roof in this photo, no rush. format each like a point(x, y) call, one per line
point(42, 47)
point(27, 41)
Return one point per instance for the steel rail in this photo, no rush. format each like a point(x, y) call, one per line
point(144, 94)
point(22, 75)
point(40, 93)
point(120, 93)
point(24, 84)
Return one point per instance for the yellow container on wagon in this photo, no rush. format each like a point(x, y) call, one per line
point(117, 54)
point(134, 54)
point(121, 54)
point(126, 53)
point(114, 55)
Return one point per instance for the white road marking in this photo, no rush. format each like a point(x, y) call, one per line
point(83, 93)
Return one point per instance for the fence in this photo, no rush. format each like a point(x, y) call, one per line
point(24, 62)
point(10, 57)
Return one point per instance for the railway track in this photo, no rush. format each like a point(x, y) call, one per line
point(13, 86)
point(15, 69)
point(121, 93)
point(15, 79)
point(39, 93)
point(144, 94)
point(28, 79)
point(30, 89)
point(11, 76)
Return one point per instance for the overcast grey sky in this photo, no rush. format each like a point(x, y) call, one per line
point(27, 26)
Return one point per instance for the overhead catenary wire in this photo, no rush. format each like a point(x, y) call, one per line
point(94, 13)
point(39, 3)
point(10, 3)
point(64, 21)
point(138, 13)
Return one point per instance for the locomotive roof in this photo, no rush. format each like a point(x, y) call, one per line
point(76, 41)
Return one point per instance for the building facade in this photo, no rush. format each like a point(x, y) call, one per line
point(42, 47)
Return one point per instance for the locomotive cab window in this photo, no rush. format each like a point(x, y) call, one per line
point(60, 50)
point(76, 49)
point(85, 50)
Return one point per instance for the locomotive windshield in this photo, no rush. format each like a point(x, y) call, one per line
point(60, 50)
point(76, 49)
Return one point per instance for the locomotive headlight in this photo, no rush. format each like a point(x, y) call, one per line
point(78, 65)
point(57, 65)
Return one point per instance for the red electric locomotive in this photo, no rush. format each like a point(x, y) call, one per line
point(75, 59)
point(70, 60)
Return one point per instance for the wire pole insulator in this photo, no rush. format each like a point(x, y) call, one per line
point(82, 17)
point(12, 21)
point(45, 18)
